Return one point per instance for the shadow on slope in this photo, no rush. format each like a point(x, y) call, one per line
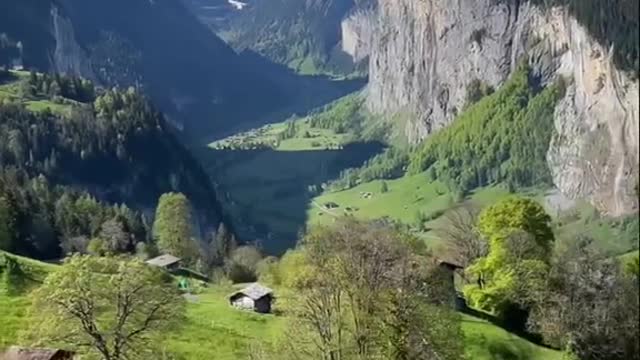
point(290, 94)
point(268, 192)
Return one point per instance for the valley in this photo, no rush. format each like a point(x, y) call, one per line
point(277, 181)
point(320, 179)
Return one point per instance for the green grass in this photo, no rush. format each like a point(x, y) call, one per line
point(14, 307)
point(12, 90)
point(485, 341)
point(214, 330)
point(406, 198)
point(319, 139)
point(615, 236)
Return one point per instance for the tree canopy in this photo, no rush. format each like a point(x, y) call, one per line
point(364, 290)
point(504, 137)
point(172, 228)
point(108, 307)
point(520, 238)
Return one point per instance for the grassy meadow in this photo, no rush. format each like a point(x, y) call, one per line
point(276, 186)
point(12, 90)
point(214, 330)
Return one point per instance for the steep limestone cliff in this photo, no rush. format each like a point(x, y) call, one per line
point(424, 54)
point(594, 152)
point(68, 56)
point(357, 34)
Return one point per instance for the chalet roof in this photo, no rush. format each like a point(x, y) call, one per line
point(254, 291)
point(163, 260)
point(18, 353)
point(450, 264)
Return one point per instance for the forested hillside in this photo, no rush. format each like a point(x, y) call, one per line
point(189, 72)
point(303, 34)
point(502, 138)
point(66, 146)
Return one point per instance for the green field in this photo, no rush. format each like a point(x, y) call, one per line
point(14, 306)
point(270, 192)
point(268, 181)
point(12, 90)
point(214, 330)
point(485, 341)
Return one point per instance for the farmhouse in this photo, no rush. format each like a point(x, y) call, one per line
point(18, 353)
point(167, 262)
point(254, 297)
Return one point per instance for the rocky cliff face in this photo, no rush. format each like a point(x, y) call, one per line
point(424, 53)
point(68, 56)
point(357, 34)
point(594, 152)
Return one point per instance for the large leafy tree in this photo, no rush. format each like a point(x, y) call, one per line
point(105, 307)
point(520, 239)
point(365, 291)
point(590, 306)
point(172, 228)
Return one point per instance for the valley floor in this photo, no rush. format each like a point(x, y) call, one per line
point(274, 186)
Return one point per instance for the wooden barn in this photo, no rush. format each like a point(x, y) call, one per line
point(254, 297)
point(19, 353)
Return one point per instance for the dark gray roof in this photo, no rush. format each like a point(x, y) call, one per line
point(163, 260)
point(254, 291)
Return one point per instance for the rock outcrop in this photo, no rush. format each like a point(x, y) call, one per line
point(68, 57)
point(425, 53)
point(357, 34)
point(594, 151)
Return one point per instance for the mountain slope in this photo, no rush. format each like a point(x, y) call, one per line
point(158, 44)
point(305, 35)
point(233, 332)
point(76, 150)
point(425, 55)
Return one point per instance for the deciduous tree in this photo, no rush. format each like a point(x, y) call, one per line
point(172, 227)
point(363, 292)
point(459, 231)
point(106, 307)
point(589, 306)
point(515, 267)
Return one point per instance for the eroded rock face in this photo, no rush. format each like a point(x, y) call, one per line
point(424, 53)
point(594, 150)
point(357, 34)
point(68, 56)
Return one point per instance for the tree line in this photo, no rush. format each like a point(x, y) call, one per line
point(369, 290)
point(575, 298)
point(502, 138)
point(115, 146)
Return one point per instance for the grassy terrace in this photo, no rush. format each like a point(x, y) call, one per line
point(214, 330)
point(12, 90)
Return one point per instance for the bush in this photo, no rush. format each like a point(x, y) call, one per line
point(243, 264)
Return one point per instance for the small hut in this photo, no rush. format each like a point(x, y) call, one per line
point(254, 297)
point(19, 353)
point(167, 262)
